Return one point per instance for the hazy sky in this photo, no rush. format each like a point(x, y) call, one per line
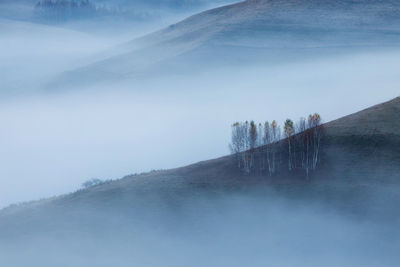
point(52, 142)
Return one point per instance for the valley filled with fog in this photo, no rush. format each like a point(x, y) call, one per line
point(231, 230)
point(54, 140)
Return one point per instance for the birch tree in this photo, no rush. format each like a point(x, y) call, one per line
point(262, 149)
point(289, 131)
point(252, 143)
point(267, 140)
point(236, 145)
point(275, 137)
point(314, 122)
point(301, 142)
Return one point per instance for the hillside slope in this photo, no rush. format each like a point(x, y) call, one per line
point(255, 31)
point(361, 155)
point(380, 119)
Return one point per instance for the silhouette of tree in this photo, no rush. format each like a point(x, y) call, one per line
point(288, 129)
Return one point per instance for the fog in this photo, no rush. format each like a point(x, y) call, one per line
point(53, 141)
point(224, 230)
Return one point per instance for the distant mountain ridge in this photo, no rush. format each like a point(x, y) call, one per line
point(255, 31)
point(138, 9)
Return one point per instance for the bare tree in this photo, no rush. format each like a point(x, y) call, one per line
point(246, 146)
point(314, 122)
point(310, 136)
point(253, 143)
point(301, 142)
point(267, 140)
point(262, 149)
point(253, 135)
point(275, 138)
point(236, 143)
point(240, 144)
point(289, 131)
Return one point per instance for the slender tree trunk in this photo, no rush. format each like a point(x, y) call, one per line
point(290, 157)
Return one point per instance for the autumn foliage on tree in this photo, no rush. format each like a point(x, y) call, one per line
point(259, 148)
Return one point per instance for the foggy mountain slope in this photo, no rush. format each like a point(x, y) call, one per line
point(354, 166)
point(257, 31)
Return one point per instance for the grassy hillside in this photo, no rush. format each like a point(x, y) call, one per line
point(382, 119)
point(360, 156)
point(254, 32)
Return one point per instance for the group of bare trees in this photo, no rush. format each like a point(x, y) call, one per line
point(260, 148)
point(61, 10)
point(66, 4)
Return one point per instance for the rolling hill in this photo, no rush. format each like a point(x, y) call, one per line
point(252, 32)
point(360, 163)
